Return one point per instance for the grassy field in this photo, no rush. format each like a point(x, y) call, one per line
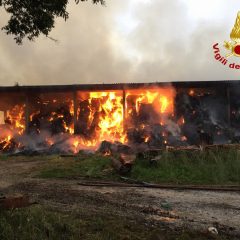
point(181, 167)
point(102, 220)
point(38, 223)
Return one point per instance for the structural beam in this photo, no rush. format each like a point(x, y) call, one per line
point(124, 108)
point(75, 107)
point(27, 113)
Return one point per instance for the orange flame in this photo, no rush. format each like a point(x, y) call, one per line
point(162, 99)
point(16, 118)
point(110, 125)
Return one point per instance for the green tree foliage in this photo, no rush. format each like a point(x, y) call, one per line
point(30, 18)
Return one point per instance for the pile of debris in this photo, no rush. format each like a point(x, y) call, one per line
point(122, 156)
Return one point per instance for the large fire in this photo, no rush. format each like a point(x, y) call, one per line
point(15, 118)
point(139, 116)
point(102, 113)
point(162, 100)
point(148, 109)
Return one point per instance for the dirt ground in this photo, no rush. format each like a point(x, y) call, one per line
point(175, 208)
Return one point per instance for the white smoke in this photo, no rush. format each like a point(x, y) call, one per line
point(126, 41)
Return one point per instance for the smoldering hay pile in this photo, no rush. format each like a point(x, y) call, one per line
point(142, 119)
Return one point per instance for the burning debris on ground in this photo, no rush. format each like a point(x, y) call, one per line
point(117, 118)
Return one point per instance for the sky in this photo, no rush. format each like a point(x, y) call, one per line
point(125, 41)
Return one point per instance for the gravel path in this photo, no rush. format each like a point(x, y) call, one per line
point(192, 209)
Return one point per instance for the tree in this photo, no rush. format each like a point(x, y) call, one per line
point(30, 18)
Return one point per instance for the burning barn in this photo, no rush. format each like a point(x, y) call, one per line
point(154, 115)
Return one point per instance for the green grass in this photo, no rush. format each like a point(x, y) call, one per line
point(38, 223)
point(3, 157)
point(87, 166)
point(206, 167)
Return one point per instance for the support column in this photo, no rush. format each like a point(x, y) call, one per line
point(124, 109)
point(5, 114)
point(75, 107)
point(228, 106)
point(27, 114)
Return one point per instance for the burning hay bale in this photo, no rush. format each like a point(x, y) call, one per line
point(8, 145)
point(150, 118)
point(54, 116)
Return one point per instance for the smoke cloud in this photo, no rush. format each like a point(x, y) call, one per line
point(126, 41)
